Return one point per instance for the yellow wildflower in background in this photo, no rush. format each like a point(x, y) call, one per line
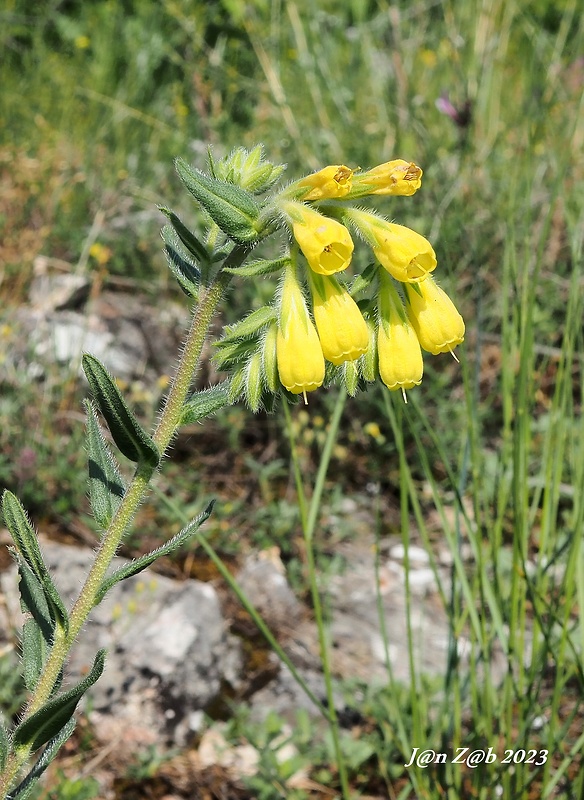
point(325, 243)
point(298, 350)
point(439, 326)
point(329, 183)
point(405, 254)
point(341, 328)
point(393, 178)
point(400, 357)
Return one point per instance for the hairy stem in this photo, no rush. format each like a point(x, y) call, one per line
point(135, 493)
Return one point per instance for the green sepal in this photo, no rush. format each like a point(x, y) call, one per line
point(351, 377)
point(203, 404)
point(269, 358)
point(34, 652)
point(368, 361)
point(4, 742)
point(237, 385)
point(232, 354)
point(139, 564)
point(106, 487)
point(180, 264)
point(364, 279)
point(254, 381)
point(260, 267)
point(27, 544)
point(195, 247)
point(126, 432)
point(250, 325)
point(247, 168)
point(25, 787)
point(232, 208)
point(51, 718)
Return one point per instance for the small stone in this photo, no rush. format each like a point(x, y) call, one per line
point(57, 292)
point(415, 554)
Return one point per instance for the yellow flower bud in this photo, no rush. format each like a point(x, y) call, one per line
point(434, 317)
point(406, 255)
point(326, 184)
point(326, 244)
point(400, 357)
point(397, 177)
point(298, 351)
point(341, 328)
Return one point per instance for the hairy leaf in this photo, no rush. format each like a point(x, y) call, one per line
point(34, 600)
point(50, 719)
point(250, 324)
point(138, 564)
point(260, 267)
point(106, 487)
point(232, 208)
point(25, 787)
point(202, 404)
point(182, 267)
point(187, 237)
point(27, 544)
point(125, 429)
point(34, 652)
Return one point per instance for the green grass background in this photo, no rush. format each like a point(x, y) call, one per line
point(98, 98)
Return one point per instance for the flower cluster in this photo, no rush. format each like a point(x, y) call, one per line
point(386, 332)
point(322, 327)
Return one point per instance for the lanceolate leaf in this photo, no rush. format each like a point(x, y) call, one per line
point(187, 237)
point(34, 651)
point(202, 404)
point(24, 788)
point(34, 600)
point(106, 487)
point(126, 432)
point(181, 266)
point(27, 544)
point(232, 208)
point(138, 564)
point(51, 718)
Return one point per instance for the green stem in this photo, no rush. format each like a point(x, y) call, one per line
point(309, 520)
point(168, 423)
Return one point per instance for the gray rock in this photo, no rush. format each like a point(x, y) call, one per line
point(59, 291)
point(169, 651)
point(263, 581)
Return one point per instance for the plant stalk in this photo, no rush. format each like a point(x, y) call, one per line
point(135, 493)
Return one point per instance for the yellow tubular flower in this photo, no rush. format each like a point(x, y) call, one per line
point(341, 328)
point(406, 255)
point(298, 351)
point(326, 244)
point(434, 317)
point(397, 177)
point(399, 353)
point(326, 184)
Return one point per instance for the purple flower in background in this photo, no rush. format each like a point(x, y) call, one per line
point(460, 116)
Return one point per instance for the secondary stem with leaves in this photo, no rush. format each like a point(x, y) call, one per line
point(136, 490)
